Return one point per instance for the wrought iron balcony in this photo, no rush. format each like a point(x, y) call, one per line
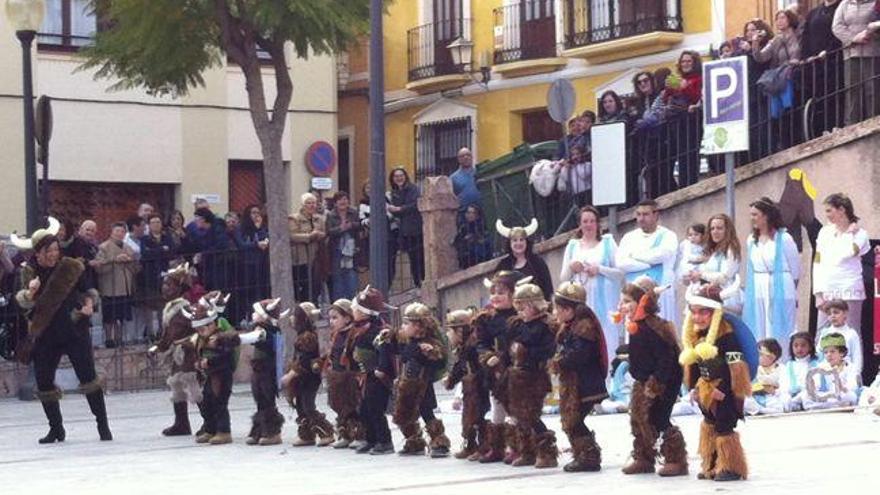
point(588, 22)
point(525, 31)
point(427, 51)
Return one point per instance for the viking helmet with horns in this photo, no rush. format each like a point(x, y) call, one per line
point(269, 310)
point(510, 232)
point(33, 242)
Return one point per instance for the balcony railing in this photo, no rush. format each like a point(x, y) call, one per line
point(427, 51)
point(525, 31)
point(595, 21)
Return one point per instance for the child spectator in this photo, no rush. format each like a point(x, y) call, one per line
point(802, 355)
point(765, 397)
point(832, 383)
point(837, 309)
point(619, 384)
point(690, 252)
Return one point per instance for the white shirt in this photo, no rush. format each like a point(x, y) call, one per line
point(853, 344)
point(837, 266)
point(637, 252)
point(689, 256)
point(134, 244)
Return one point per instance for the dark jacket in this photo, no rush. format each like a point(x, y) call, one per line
point(371, 355)
point(535, 267)
point(817, 35)
point(336, 234)
point(155, 256)
point(652, 354)
point(410, 218)
point(250, 252)
point(537, 338)
point(581, 359)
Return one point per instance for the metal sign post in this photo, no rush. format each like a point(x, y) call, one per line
point(726, 116)
point(561, 101)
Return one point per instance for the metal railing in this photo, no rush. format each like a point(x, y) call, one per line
point(427, 52)
point(594, 21)
point(663, 150)
point(525, 31)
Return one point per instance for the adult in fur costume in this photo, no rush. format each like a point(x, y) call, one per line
point(374, 358)
point(267, 421)
point(303, 379)
point(490, 330)
point(184, 380)
point(715, 369)
point(58, 306)
point(341, 374)
point(580, 362)
point(532, 344)
point(215, 343)
point(653, 359)
point(423, 358)
point(466, 370)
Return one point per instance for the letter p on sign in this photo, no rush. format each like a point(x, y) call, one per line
point(724, 83)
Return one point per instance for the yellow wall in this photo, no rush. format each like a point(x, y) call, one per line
point(402, 16)
point(499, 126)
point(12, 182)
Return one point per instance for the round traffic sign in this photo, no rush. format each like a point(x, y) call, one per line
point(561, 100)
point(321, 159)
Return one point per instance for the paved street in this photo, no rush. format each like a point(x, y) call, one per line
point(827, 453)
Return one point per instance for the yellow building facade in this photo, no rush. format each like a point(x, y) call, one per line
point(432, 106)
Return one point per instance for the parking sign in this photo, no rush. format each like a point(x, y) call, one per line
point(725, 106)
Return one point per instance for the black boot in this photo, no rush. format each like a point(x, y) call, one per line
point(181, 421)
point(96, 404)
point(56, 430)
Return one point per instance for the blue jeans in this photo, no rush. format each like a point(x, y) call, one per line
point(344, 283)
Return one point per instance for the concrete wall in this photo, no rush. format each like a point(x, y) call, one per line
point(12, 211)
point(839, 162)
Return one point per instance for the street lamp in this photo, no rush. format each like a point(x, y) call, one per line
point(462, 52)
point(26, 16)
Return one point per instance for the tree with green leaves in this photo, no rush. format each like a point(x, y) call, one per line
point(164, 47)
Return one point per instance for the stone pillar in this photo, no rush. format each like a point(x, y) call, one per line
point(439, 208)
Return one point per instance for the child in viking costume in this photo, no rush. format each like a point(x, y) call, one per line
point(834, 382)
point(765, 398)
point(717, 369)
point(343, 395)
point(490, 330)
point(580, 362)
point(467, 371)
point(423, 357)
point(532, 344)
point(303, 379)
point(215, 343)
point(58, 305)
point(375, 361)
point(184, 380)
point(266, 423)
point(653, 363)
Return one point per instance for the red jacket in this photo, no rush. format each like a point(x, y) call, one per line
point(692, 91)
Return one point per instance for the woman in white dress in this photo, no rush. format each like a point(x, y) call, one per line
point(773, 269)
point(589, 261)
point(837, 265)
point(720, 265)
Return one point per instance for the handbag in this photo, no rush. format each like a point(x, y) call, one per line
point(773, 81)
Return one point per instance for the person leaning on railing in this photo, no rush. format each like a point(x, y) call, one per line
point(860, 55)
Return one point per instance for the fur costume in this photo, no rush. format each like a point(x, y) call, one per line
point(546, 452)
point(343, 392)
point(306, 369)
point(713, 361)
point(475, 395)
point(56, 327)
point(410, 393)
point(643, 431)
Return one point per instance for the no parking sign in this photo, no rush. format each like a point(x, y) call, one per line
point(321, 159)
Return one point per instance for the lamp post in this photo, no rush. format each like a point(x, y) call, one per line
point(462, 52)
point(26, 16)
